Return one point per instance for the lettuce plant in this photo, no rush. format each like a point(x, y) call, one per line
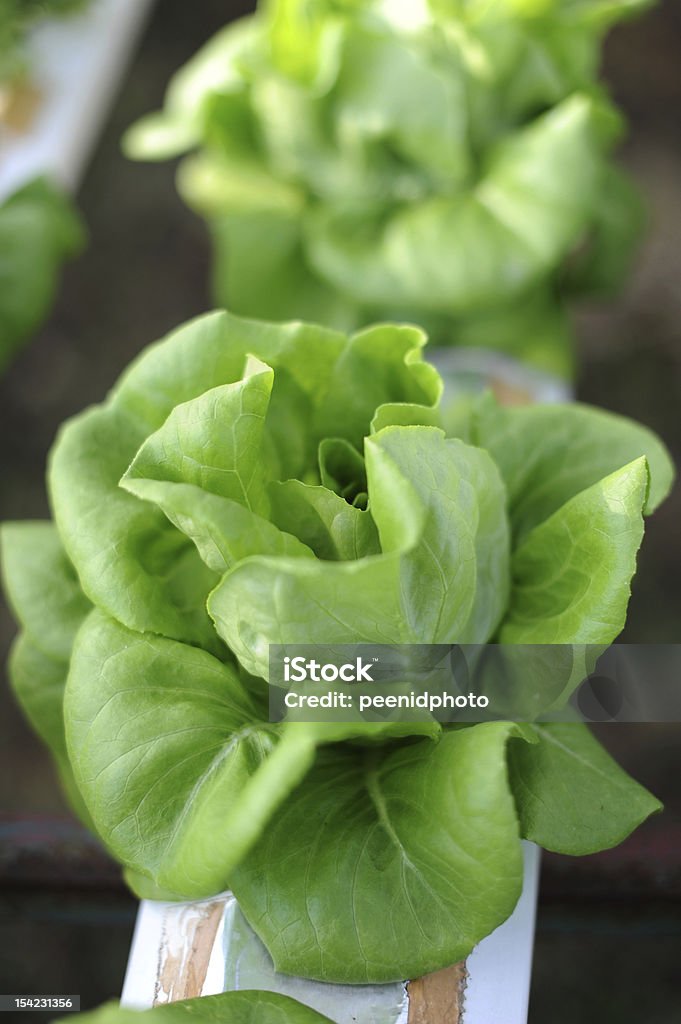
point(39, 230)
point(247, 484)
point(445, 162)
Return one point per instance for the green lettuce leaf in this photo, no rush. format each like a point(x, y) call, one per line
point(157, 580)
point(334, 529)
point(42, 586)
point(247, 1007)
point(130, 561)
point(193, 447)
point(549, 453)
point(168, 712)
point(520, 219)
point(371, 832)
point(571, 574)
point(47, 600)
point(272, 264)
point(571, 795)
point(223, 531)
point(39, 231)
point(442, 574)
point(38, 682)
point(198, 756)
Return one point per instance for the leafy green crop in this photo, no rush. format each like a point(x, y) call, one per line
point(39, 229)
point(248, 1007)
point(247, 484)
point(443, 162)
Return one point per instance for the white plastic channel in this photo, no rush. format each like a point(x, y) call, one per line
point(76, 64)
point(497, 988)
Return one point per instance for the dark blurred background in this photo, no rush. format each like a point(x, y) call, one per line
point(609, 927)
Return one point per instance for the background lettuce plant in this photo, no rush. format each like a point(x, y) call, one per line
point(440, 161)
point(39, 230)
point(247, 484)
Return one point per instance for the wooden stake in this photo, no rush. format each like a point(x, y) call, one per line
point(438, 998)
point(185, 951)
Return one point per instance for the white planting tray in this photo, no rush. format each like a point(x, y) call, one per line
point(181, 950)
point(76, 64)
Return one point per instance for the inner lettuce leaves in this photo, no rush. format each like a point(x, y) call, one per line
point(253, 483)
point(39, 231)
point(443, 162)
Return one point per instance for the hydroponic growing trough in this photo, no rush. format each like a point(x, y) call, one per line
point(75, 66)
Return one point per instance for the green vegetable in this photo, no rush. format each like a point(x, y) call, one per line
point(442, 162)
point(247, 484)
point(248, 1007)
point(39, 230)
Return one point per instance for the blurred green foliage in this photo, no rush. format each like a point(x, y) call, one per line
point(443, 162)
point(39, 229)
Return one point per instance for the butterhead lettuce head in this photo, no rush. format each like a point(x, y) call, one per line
point(443, 162)
point(247, 484)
